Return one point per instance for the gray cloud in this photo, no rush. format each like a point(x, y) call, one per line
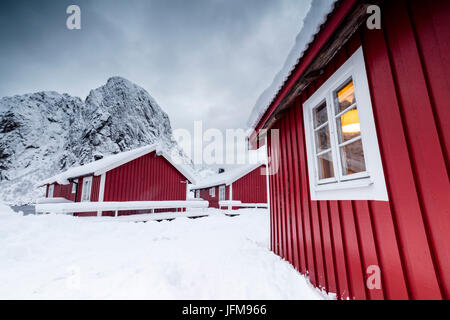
point(201, 59)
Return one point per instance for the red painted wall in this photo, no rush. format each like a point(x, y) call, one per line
point(251, 188)
point(408, 237)
point(214, 201)
point(62, 191)
point(148, 178)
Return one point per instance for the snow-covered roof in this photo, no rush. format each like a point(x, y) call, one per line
point(106, 164)
point(315, 18)
point(226, 178)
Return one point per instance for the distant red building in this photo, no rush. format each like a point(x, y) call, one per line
point(360, 199)
point(246, 184)
point(142, 174)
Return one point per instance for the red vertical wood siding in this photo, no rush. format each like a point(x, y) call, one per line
point(148, 178)
point(251, 188)
point(62, 191)
point(80, 189)
point(334, 242)
point(95, 189)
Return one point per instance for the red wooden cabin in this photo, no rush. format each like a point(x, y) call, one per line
point(142, 174)
point(360, 172)
point(246, 184)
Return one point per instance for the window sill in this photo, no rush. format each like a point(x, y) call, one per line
point(345, 185)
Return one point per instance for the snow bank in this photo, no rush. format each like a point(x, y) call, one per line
point(53, 200)
point(4, 209)
point(62, 257)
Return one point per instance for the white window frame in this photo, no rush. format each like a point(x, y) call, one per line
point(222, 193)
point(74, 186)
point(86, 192)
point(212, 192)
point(51, 190)
point(197, 194)
point(369, 185)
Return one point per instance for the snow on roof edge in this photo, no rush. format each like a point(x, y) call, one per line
point(183, 169)
point(96, 166)
point(108, 163)
point(226, 178)
point(316, 17)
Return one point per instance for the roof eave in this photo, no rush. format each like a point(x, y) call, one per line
point(228, 182)
point(327, 30)
point(123, 161)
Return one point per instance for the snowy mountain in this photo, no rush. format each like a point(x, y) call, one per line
point(44, 133)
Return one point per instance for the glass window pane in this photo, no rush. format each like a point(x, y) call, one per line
point(320, 115)
point(345, 97)
point(325, 165)
point(323, 139)
point(352, 158)
point(348, 126)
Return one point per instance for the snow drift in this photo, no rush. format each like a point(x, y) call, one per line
point(63, 257)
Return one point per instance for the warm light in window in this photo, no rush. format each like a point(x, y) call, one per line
point(350, 122)
point(346, 94)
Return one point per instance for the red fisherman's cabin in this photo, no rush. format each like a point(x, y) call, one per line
point(358, 133)
point(246, 184)
point(143, 174)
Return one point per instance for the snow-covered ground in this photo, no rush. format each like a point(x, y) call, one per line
point(218, 257)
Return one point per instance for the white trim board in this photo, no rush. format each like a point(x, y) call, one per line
point(101, 191)
point(231, 196)
point(269, 231)
point(83, 190)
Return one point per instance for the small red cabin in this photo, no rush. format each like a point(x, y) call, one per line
point(359, 170)
point(246, 184)
point(143, 174)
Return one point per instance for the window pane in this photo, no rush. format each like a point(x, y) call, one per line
point(348, 126)
point(323, 139)
point(325, 164)
point(352, 157)
point(320, 115)
point(345, 97)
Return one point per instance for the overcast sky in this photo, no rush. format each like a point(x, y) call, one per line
point(200, 59)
